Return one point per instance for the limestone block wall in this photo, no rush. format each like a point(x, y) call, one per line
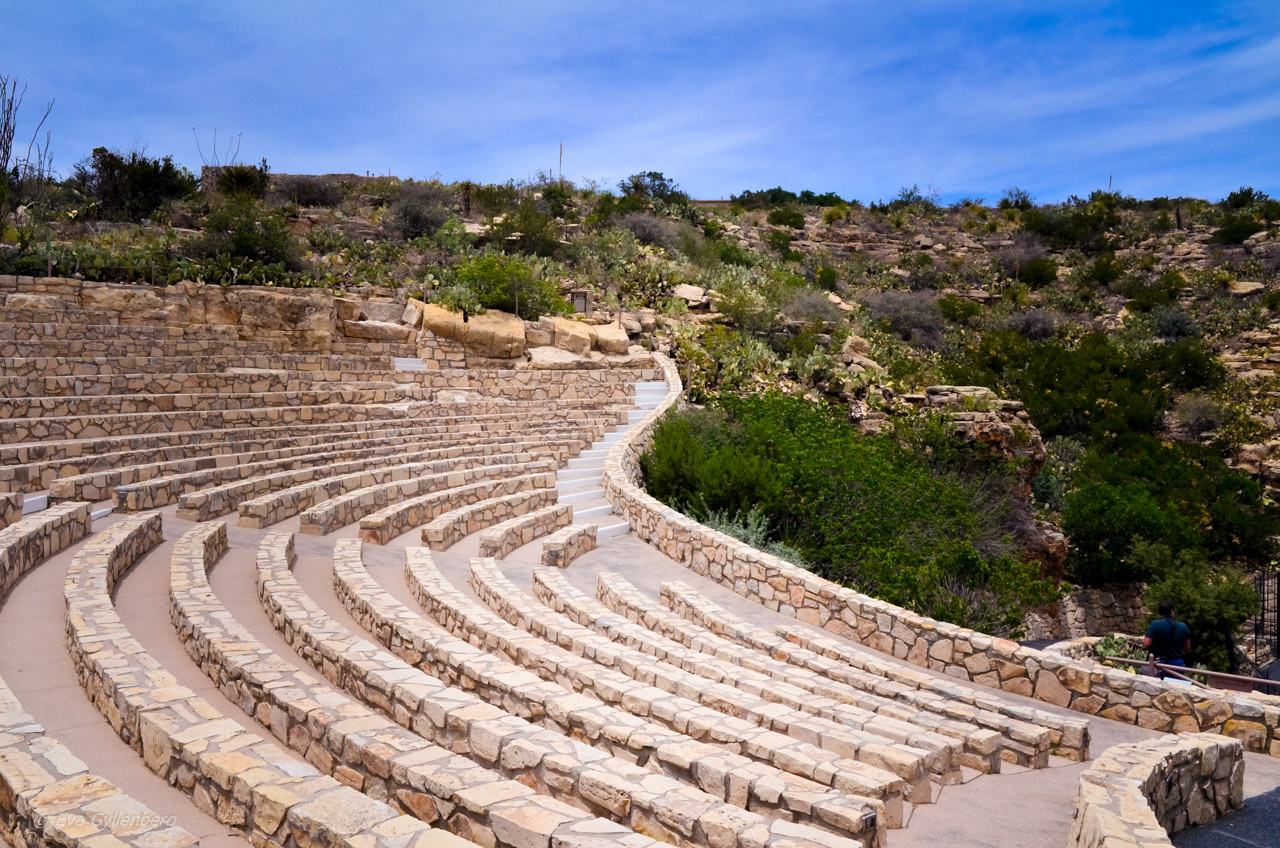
point(1080, 685)
point(10, 508)
point(1140, 793)
point(1090, 612)
point(503, 538)
point(564, 546)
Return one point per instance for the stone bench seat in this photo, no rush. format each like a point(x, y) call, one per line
point(567, 544)
point(1022, 743)
point(383, 525)
point(477, 624)
point(249, 783)
point(115, 348)
point(151, 486)
point(219, 500)
point(983, 746)
point(887, 743)
point(44, 367)
point(230, 381)
point(142, 402)
point(10, 508)
point(522, 472)
point(360, 747)
point(1068, 737)
point(426, 645)
point(506, 536)
point(48, 796)
point(460, 721)
point(449, 528)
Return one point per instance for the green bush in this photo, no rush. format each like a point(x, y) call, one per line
point(780, 241)
point(130, 187)
point(240, 227)
point(498, 282)
point(958, 310)
point(787, 216)
point(1082, 224)
point(415, 217)
point(1235, 227)
point(250, 181)
point(527, 229)
point(1039, 272)
point(884, 514)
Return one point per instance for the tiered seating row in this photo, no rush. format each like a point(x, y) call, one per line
point(10, 508)
point(48, 797)
point(916, 755)
point(360, 748)
point(1068, 737)
point(503, 537)
point(465, 484)
point(982, 746)
point(547, 761)
point(320, 364)
point(470, 621)
point(716, 768)
point(567, 544)
point(451, 527)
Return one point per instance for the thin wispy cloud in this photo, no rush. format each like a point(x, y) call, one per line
point(1058, 98)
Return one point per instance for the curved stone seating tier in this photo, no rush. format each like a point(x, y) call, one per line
point(62, 313)
point(124, 348)
point(161, 490)
point(912, 753)
point(567, 544)
point(360, 747)
point(474, 623)
point(74, 427)
point(281, 504)
point(1140, 793)
point(48, 797)
point(526, 472)
point(723, 773)
point(505, 536)
point(232, 382)
point(244, 781)
point(542, 759)
point(1067, 737)
point(41, 367)
point(944, 648)
point(450, 527)
point(219, 500)
point(10, 508)
point(101, 471)
point(133, 404)
point(983, 747)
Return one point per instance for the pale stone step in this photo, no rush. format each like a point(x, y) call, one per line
point(605, 531)
point(575, 485)
point(592, 512)
point(408, 364)
point(587, 462)
point(35, 503)
point(583, 495)
point(565, 474)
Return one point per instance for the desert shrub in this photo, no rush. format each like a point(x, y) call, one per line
point(1235, 227)
point(809, 305)
point(1039, 272)
point(826, 278)
point(1011, 259)
point(1051, 485)
point(877, 513)
point(648, 229)
point(528, 229)
point(1166, 289)
point(731, 253)
point(1082, 224)
point(130, 187)
point(249, 181)
point(495, 199)
point(420, 211)
point(1036, 324)
point(914, 317)
point(780, 241)
point(1016, 198)
point(1172, 322)
point(1198, 414)
point(498, 282)
point(1188, 364)
point(753, 528)
point(1104, 270)
point(305, 191)
point(787, 216)
point(240, 227)
point(958, 310)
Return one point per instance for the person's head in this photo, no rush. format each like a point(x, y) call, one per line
point(1166, 609)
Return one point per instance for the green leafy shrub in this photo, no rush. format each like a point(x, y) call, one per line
point(914, 317)
point(1082, 224)
point(240, 227)
point(130, 187)
point(648, 229)
point(305, 191)
point(787, 216)
point(879, 513)
point(1235, 227)
point(527, 229)
point(826, 278)
point(415, 217)
point(1039, 272)
point(496, 281)
point(780, 241)
point(958, 310)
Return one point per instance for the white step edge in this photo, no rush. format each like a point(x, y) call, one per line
point(606, 531)
point(565, 474)
point(101, 513)
point(575, 485)
point(591, 511)
point(584, 495)
point(34, 503)
point(587, 462)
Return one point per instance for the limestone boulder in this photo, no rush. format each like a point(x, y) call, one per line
point(495, 334)
point(412, 314)
point(610, 338)
point(381, 331)
point(549, 358)
point(136, 304)
point(692, 295)
point(574, 336)
point(348, 309)
point(266, 308)
point(31, 300)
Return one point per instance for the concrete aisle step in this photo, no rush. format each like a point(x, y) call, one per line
point(582, 495)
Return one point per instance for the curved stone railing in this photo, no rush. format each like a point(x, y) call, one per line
point(235, 776)
point(1140, 793)
point(506, 536)
point(545, 760)
point(940, 647)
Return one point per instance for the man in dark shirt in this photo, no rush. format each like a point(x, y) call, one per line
point(1167, 638)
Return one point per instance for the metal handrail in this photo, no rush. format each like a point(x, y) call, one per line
point(1181, 673)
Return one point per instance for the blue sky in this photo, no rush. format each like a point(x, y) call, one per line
point(861, 98)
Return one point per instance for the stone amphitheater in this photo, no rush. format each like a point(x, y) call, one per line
point(304, 571)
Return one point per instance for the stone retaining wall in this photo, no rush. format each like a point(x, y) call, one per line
point(564, 546)
point(501, 539)
point(1090, 612)
point(10, 508)
point(944, 648)
point(503, 502)
point(1140, 793)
